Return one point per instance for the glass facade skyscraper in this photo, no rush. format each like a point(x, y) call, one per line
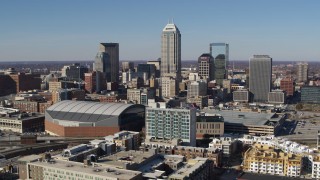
point(107, 61)
point(220, 53)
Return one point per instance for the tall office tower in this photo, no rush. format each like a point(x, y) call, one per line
point(149, 69)
point(157, 64)
point(260, 72)
point(286, 84)
point(171, 52)
point(107, 61)
point(170, 124)
point(302, 72)
point(126, 66)
point(206, 67)
point(74, 72)
point(94, 81)
point(169, 87)
point(197, 88)
point(220, 53)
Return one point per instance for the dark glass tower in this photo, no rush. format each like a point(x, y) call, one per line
point(220, 53)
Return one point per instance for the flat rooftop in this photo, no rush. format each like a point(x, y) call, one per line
point(126, 157)
point(97, 170)
point(22, 118)
point(245, 118)
point(30, 158)
point(191, 166)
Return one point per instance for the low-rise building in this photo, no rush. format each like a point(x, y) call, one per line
point(267, 160)
point(315, 166)
point(198, 168)
point(277, 97)
point(241, 96)
point(125, 140)
point(165, 148)
point(209, 126)
point(12, 119)
point(61, 169)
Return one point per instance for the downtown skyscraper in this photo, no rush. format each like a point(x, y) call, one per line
point(107, 61)
point(220, 53)
point(171, 52)
point(260, 77)
point(170, 60)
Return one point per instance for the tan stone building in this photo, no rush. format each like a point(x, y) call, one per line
point(267, 160)
point(209, 126)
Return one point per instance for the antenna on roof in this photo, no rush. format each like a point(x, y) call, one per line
point(172, 21)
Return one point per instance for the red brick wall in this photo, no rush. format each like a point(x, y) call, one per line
point(80, 131)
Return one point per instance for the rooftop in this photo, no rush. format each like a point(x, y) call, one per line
point(97, 169)
point(191, 166)
point(85, 111)
point(122, 158)
point(170, 27)
point(246, 118)
point(210, 119)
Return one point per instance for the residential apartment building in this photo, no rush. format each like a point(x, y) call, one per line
point(171, 124)
point(302, 72)
point(267, 160)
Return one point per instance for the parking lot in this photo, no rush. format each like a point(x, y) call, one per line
point(302, 126)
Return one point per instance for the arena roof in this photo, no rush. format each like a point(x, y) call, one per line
point(86, 111)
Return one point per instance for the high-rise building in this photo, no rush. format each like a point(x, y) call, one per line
point(134, 95)
point(197, 88)
point(149, 69)
point(126, 66)
point(170, 124)
point(220, 53)
point(260, 72)
point(171, 52)
point(74, 72)
point(94, 82)
point(286, 84)
point(157, 64)
point(302, 72)
point(206, 67)
point(107, 61)
point(169, 87)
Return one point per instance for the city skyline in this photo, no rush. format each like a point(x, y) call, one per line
point(36, 31)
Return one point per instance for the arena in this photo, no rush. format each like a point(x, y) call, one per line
point(92, 119)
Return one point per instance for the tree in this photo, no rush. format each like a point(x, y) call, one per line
point(299, 106)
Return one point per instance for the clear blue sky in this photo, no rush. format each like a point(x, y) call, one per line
point(72, 30)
